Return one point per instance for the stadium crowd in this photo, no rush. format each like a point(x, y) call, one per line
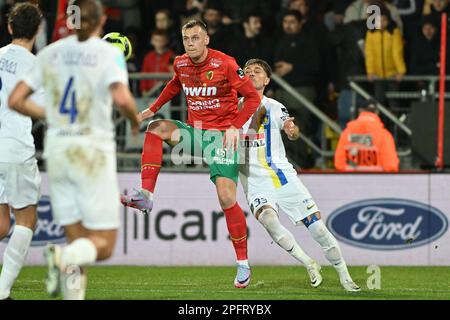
point(315, 45)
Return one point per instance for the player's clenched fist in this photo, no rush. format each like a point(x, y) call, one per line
point(231, 138)
point(146, 114)
point(291, 129)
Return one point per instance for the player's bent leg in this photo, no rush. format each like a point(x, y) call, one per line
point(330, 247)
point(151, 161)
point(237, 228)
point(5, 221)
point(268, 217)
point(66, 265)
point(17, 249)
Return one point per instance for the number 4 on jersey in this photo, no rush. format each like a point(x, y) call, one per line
point(69, 97)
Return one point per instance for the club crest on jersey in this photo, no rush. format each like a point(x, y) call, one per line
point(209, 75)
point(199, 91)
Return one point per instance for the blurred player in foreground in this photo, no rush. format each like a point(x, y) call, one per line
point(210, 79)
point(82, 76)
point(270, 182)
point(19, 174)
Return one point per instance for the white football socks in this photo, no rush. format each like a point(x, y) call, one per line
point(81, 252)
point(330, 247)
point(13, 258)
point(282, 236)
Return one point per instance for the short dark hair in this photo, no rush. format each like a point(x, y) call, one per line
point(159, 32)
point(24, 19)
point(429, 19)
point(262, 63)
point(193, 23)
point(295, 13)
point(248, 15)
point(370, 106)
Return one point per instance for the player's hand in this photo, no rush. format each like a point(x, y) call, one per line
point(292, 131)
point(146, 114)
point(231, 138)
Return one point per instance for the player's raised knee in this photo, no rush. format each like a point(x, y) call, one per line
point(161, 128)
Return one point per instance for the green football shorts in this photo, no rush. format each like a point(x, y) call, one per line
point(208, 145)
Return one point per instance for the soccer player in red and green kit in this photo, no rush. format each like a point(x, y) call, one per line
point(210, 80)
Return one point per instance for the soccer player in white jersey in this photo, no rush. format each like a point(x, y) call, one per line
point(270, 182)
point(19, 174)
point(82, 76)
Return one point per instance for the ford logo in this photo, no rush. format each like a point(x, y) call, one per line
point(47, 231)
point(387, 224)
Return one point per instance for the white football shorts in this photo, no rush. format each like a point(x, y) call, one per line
point(293, 199)
point(83, 185)
point(20, 184)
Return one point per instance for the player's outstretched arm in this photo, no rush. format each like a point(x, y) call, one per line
point(172, 88)
point(124, 100)
point(251, 103)
point(18, 101)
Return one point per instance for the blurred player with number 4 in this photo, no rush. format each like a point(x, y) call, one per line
point(270, 182)
point(82, 76)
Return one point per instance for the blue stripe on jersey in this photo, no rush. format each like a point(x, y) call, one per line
point(277, 171)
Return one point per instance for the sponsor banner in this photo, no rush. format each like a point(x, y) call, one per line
point(377, 219)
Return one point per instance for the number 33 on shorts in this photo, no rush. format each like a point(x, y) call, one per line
point(257, 203)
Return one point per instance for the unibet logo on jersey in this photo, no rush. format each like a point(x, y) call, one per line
point(199, 91)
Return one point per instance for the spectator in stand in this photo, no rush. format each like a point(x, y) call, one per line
point(296, 59)
point(426, 49)
point(358, 11)
point(365, 145)
point(346, 39)
point(317, 30)
point(218, 32)
point(248, 42)
point(298, 62)
point(158, 60)
point(384, 57)
point(165, 22)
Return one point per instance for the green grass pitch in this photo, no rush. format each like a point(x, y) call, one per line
point(268, 283)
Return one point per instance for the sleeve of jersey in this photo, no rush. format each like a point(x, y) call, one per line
point(116, 70)
point(281, 114)
point(245, 87)
point(172, 88)
point(33, 78)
